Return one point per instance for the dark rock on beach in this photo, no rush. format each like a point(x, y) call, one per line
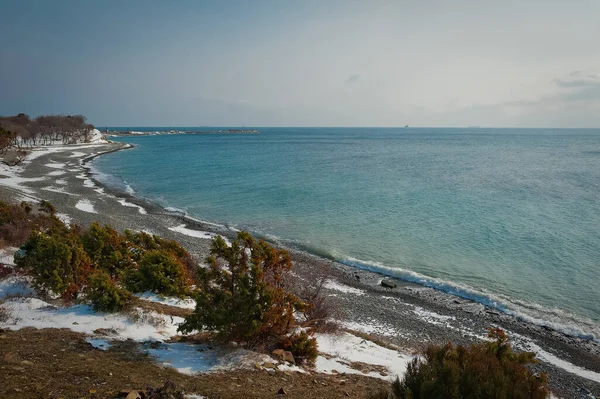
point(387, 283)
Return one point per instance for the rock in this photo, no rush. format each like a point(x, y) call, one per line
point(288, 357)
point(281, 392)
point(133, 395)
point(278, 353)
point(75, 323)
point(268, 365)
point(387, 283)
point(10, 357)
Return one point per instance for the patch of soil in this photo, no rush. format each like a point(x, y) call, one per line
point(59, 363)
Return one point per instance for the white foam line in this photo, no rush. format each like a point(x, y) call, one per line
point(571, 325)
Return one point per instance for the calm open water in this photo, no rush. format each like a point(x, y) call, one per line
point(508, 217)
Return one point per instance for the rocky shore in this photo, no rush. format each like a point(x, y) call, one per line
point(410, 316)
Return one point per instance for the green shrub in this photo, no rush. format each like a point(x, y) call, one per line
point(240, 294)
point(56, 260)
point(143, 242)
point(302, 345)
point(47, 207)
point(26, 207)
point(486, 370)
point(108, 249)
point(159, 272)
point(105, 295)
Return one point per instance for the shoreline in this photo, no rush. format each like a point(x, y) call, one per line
point(410, 315)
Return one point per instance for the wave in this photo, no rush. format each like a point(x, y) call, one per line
point(111, 181)
point(554, 319)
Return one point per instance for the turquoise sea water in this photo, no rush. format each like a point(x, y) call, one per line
point(508, 217)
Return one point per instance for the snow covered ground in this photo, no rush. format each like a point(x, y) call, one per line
point(338, 352)
point(187, 303)
point(127, 203)
point(85, 205)
point(26, 309)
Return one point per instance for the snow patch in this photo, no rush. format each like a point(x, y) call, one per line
point(7, 255)
point(41, 151)
point(55, 165)
point(9, 177)
point(432, 317)
point(187, 303)
point(63, 217)
point(16, 286)
point(33, 312)
point(85, 205)
point(372, 327)
point(192, 233)
point(346, 348)
point(193, 358)
point(60, 190)
point(99, 343)
point(525, 343)
point(334, 285)
point(129, 204)
point(77, 154)
point(56, 173)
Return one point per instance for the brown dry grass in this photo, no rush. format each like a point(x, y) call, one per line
point(58, 363)
point(160, 308)
point(373, 338)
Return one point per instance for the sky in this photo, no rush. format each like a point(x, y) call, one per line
point(508, 63)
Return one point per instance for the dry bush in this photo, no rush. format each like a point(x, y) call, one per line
point(14, 157)
point(4, 314)
point(319, 312)
point(18, 221)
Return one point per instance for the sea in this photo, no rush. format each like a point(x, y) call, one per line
point(509, 218)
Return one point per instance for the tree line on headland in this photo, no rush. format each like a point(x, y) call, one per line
point(21, 131)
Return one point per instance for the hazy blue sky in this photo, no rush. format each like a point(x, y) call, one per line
point(304, 63)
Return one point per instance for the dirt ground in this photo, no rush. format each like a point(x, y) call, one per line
point(59, 363)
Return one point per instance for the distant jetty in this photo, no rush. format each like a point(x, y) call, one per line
point(164, 132)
